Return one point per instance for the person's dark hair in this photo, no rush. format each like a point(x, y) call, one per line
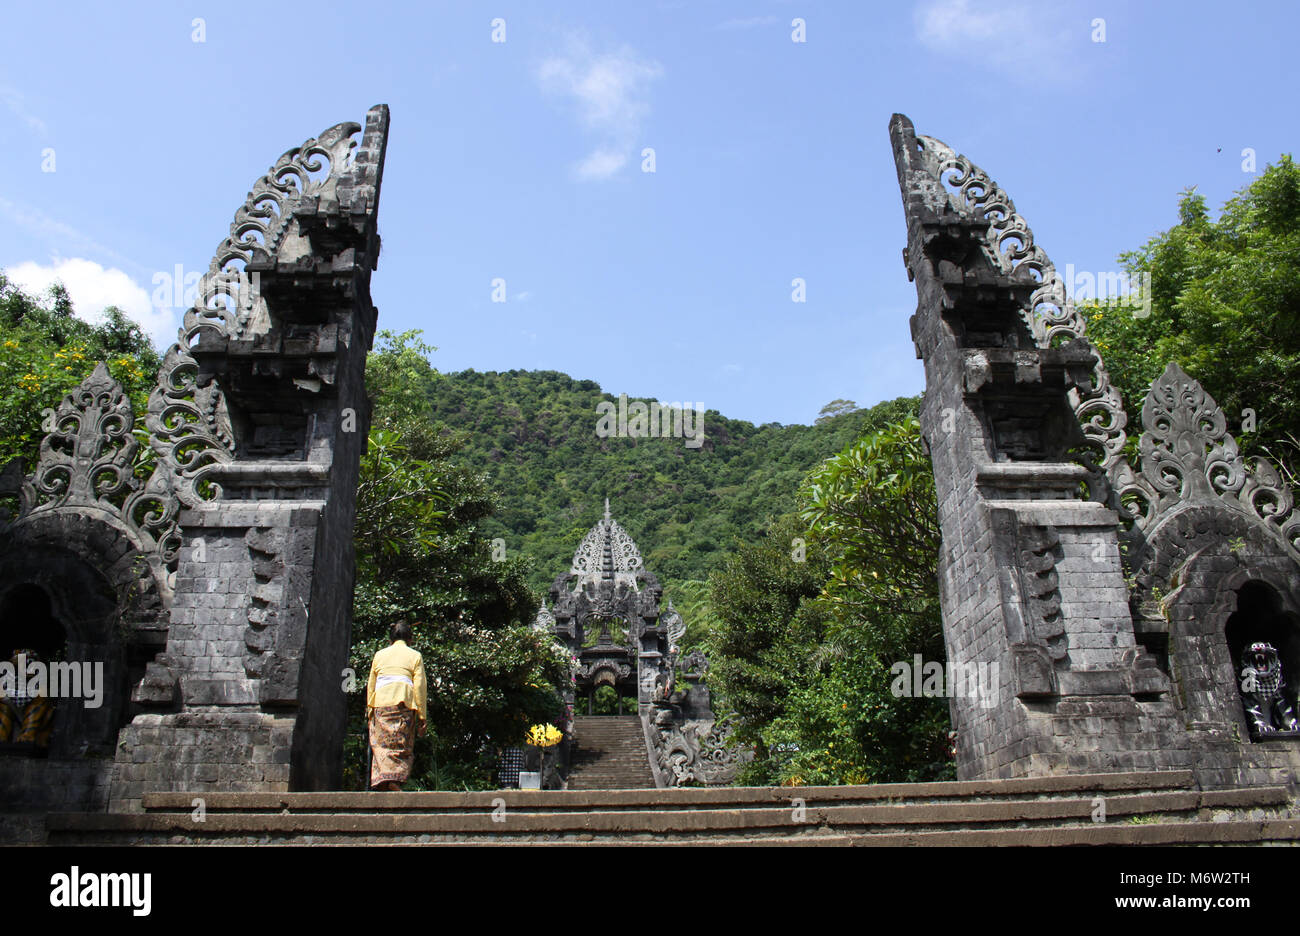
point(400, 631)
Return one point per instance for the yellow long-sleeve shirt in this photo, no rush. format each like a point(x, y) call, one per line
point(401, 661)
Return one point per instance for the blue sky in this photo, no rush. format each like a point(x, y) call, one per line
point(521, 160)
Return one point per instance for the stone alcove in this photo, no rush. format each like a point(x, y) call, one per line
point(1260, 616)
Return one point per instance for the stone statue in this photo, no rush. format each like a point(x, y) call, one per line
point(1262, 691)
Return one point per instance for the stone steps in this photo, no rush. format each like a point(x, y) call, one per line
point(610, 754)
point(1141, 808)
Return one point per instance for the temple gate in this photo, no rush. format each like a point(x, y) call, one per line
point(1124, 605)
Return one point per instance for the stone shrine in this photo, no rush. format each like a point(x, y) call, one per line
point(606, 612)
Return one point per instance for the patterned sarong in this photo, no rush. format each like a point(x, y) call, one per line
point(38, 722)
point(392, 743)
point(10, 720)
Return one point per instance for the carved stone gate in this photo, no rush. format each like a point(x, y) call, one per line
point(215, 582)
point(1117, 600)
point(606, 613)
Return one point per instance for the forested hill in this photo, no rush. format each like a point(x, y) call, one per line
point(534, 434)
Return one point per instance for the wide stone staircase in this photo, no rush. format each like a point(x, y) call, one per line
point(1155, 808)
point(610, 754)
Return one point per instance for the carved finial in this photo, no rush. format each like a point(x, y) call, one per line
point(545, 619)
point(87, 459)
point(87, 455)
point(1189, 457)
point(607, 517)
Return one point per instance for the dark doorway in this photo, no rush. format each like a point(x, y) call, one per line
point(28, 623)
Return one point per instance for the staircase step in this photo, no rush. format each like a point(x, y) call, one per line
point(1142, 808)
point(609, 754)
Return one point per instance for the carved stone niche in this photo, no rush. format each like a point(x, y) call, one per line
point(1031, 602)
point(1035, 671)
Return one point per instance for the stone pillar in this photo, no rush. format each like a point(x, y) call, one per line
point(249, 694)
point(1030, 573)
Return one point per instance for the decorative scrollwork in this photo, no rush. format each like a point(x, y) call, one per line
point(607, 552)
point(88, 460)
point(189, 427)
point(701, 752)
point(626, 556)
point(1050, 314)
point(226, 301)
point(87, 454)
point(1188, 456)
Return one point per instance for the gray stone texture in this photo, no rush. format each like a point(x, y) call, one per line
point(1110, 658)
point(219, 591)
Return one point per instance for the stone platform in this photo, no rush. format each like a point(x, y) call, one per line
point(1152, 808)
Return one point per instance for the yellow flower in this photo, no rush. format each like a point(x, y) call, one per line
point(544, 736)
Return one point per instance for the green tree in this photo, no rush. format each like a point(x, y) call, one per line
point(1225, 304)
point(767, 627)
point(873, 508)
point(46, 351)
point(810, 619)
point(422, 556)
point(836, 408)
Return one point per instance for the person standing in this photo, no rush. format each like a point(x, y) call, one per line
point(396, 709)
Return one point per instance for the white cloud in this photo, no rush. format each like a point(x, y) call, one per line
point(1030, 38)
point(62, 238)
point(610, 92)
point(601, 164)
point(15, 101)
point(93, 288)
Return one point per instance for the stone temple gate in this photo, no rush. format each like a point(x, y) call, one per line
point(1124, 604)
point(1120, 602)
point(606, 613)
point(216, 590)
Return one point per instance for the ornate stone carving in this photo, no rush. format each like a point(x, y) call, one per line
point(1188, 456)
point(606, 543)
point(675, 627)
point(1050, 316)
point(189, 427)
point(545, 621)
point(628, 642)
point(697, 752)
point(1262, 692)
point(694, 665)
point(603, 672)
point(87, 460)
point(1038, 553)
point(227, 300)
